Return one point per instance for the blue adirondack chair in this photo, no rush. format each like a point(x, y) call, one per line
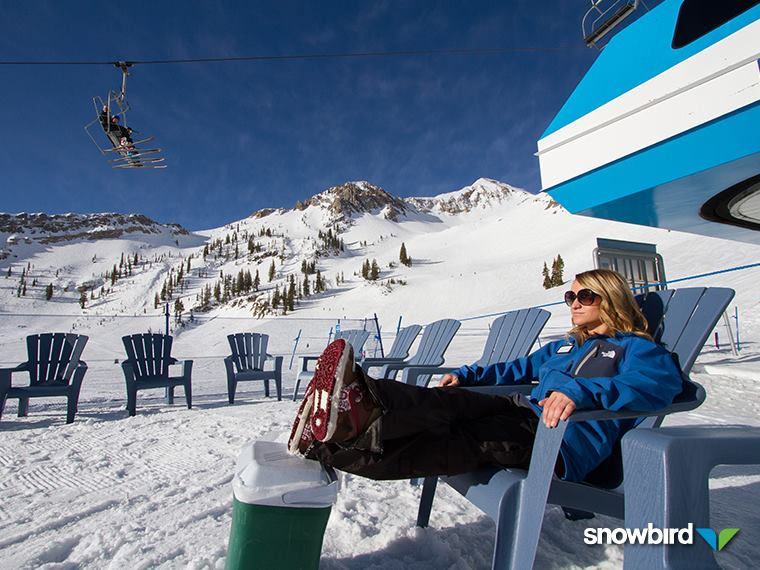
point(54, 369)
point(398, 352)
point(147, 366)
point(512, 335)
point(355, 337)
point(681, 320)
point(436, 338)
point(249, 355)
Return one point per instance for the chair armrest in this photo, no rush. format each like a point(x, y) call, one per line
point(502, 389)
point(305, 359)
point(129, 373)
point(368, 363)
point(187, 368)
point(79, 373)
point(411, 373)
point(173, 360)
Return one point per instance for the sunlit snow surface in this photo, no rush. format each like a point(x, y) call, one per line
point(111, 491)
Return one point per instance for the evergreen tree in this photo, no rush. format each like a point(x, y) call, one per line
point(156, 301)
point(217, 292)
point(276, 297)
point(365, 269)
point(374, 271)
point(547, 279)
point(558, 266)
point(403, 257)
point(113, 275)
point(271, 272)
point(256, 281)
point(319, 284)
point(188, 265)
point(251, 245)
point(49, 292)
point(83, 297)
point(306, 290)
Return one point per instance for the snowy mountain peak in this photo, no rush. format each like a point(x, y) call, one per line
point(483, 193)
point(359, 197)
point(50, 228)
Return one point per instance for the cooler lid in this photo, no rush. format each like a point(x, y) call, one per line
point(266, 474)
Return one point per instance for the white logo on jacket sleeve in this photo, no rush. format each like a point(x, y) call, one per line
point(608, 354)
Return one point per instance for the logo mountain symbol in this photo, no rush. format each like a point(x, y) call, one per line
point(717, 542)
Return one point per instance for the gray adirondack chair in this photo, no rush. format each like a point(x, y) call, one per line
point(398, 352)
point(249, 355)
point(512, 335)
point(355, 337)
point(147, 366)
point(436, 338)
point(681, 320)
point(54, 369)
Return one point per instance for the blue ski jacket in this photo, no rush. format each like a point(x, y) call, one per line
point(623, 372)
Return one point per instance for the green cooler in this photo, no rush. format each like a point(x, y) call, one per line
point(281, 504)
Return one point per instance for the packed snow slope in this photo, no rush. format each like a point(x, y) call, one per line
point(109, 491)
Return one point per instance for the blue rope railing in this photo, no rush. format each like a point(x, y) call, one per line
point(660, 284)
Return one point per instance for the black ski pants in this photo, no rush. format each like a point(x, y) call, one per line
point(435, 431)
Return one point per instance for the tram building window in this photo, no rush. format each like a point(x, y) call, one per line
point(699, 17)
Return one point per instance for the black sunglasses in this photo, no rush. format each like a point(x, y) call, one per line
point(584, 296)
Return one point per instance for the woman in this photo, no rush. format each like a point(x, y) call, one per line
point(388, 430)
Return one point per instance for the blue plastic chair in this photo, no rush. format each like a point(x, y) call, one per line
point(436, 338)
point(54, 369)
point(681, 320)
point(399, 350)
point(512, 335)
point(147, 366)
point(246, 363)
point(355, 337)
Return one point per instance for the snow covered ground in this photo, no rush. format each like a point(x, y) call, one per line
point(109, 491)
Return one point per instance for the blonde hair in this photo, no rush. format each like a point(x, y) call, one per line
point(618, 310)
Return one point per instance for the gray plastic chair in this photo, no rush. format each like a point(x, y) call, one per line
point(355, 337)
point(436, 338)
point(246, 363)
point(147, 366)
point(515, 498)
point(666, 484)
point(512, 335)
point(54, 369)
point(398, 352)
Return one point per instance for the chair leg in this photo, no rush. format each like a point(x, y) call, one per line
point(231, 388)
point(426, 501)
point(278, 386)
point(266, 388)
point(71, 408)
point(131, 401)
point(23, 407)
point(188, 395)
point(295, 390)
point(170, 394)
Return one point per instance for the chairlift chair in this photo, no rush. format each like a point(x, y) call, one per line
point(123, 152)
point(603, 16)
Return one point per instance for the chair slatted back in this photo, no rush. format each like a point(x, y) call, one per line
point(403, 341)
point(249, 350)
point(149, 354)
point(53, 357)
point(512, 335)
point(435, 340)
point(355, 337)
point(682, 319)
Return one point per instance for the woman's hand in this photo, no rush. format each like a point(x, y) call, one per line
point(449, 380)
point(556, 407)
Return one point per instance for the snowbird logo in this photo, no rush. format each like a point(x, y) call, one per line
point(717, 541)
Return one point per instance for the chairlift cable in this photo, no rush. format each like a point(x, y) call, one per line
point(302, 56)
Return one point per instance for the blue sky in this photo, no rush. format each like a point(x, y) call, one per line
point(243, 136)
